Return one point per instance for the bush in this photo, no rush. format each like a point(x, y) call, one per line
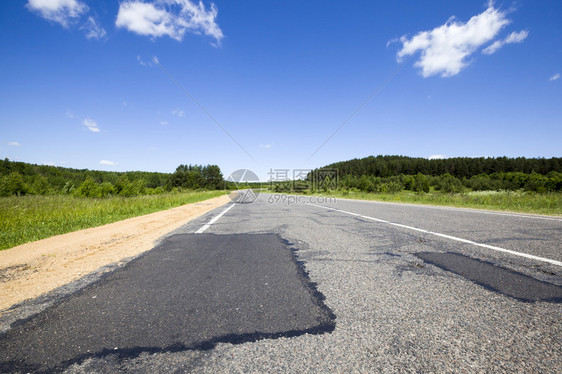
point(13, 184)
point(41, 185)
point(134, 188)
point(88, 188)
point(536, 182)
point(394, 187)
point(449, 184)
point(421, 183)
point(68, 188)
point(106, 189)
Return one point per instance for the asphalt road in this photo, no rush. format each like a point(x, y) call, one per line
point(284, 286)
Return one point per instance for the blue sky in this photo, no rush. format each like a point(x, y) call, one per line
point(83, 83)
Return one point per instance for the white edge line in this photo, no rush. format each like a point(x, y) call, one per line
point(469, 210)
point(213, 220)
point(532, 257)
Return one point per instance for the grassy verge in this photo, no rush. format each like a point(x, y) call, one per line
point(519, 202)
point(28, 218)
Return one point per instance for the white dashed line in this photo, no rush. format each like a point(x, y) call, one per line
point(215, 219)
point(520, 254)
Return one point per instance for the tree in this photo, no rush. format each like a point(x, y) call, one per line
point(88, 188)
point(13, 184)
point(40, 185)
point(421, 183)
point(213, 177)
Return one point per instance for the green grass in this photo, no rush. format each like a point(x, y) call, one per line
point(28, 218)
point(519, 202)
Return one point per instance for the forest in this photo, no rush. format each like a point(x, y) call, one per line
point(396, 173)
point(20, 178)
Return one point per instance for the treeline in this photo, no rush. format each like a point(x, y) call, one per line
point(534, 182)
point(459, 167)
point(20, 178)
point(397, 173)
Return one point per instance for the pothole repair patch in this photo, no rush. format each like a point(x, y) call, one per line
point(189, 293)
point(495, 278)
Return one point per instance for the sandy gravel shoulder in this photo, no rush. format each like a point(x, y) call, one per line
point(32, 269)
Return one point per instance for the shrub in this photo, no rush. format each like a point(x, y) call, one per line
point(536, 182)
point(421, 183)
point(68, 188)
point(394, 187)
point(134, 188)
point(40, 185)
point(106, 189)
point(88, 188)
point(448, 183)
point(13, 184)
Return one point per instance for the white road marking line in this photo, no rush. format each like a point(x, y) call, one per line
point(213, 220)
point(469, 210)
point(520, 254)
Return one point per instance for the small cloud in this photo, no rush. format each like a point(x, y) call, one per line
point(91, 125)
point(172, 18)
point(514, 37)
point(164, 123)
point(437, 157)
point(392, 41)
point(554, 77)
point(108, 163)
point(69, 114)
point(266, 146)
point(178, 112)
point(143, 62)
point(93, 29)
point(63, 12)
point(445, 49)
point(14, 144)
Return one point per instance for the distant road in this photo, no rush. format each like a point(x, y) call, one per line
point(318, 286)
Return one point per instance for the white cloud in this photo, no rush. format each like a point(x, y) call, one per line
point(69, 113)
point(67, 13)
point(142, 62)
point(91, 125)
point(554, 77)
point(108, 163)
point(178, 112)
point(60, 11)
point(437, 157)
point(14, 144)
point(171, 18)
point(266, 146)
point(164, 123)
point(514, 37)
point(93, 30)
point(445, 49)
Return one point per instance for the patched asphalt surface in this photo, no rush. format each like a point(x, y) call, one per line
point(403, 301)
point(495, 278)
point(190, 293)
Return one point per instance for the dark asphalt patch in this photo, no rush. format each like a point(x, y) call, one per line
point(189, 293)
point(495, 278)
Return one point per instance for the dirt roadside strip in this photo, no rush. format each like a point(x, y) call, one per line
point(32, 269)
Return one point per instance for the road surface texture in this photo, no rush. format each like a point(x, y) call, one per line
point(346, 286)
